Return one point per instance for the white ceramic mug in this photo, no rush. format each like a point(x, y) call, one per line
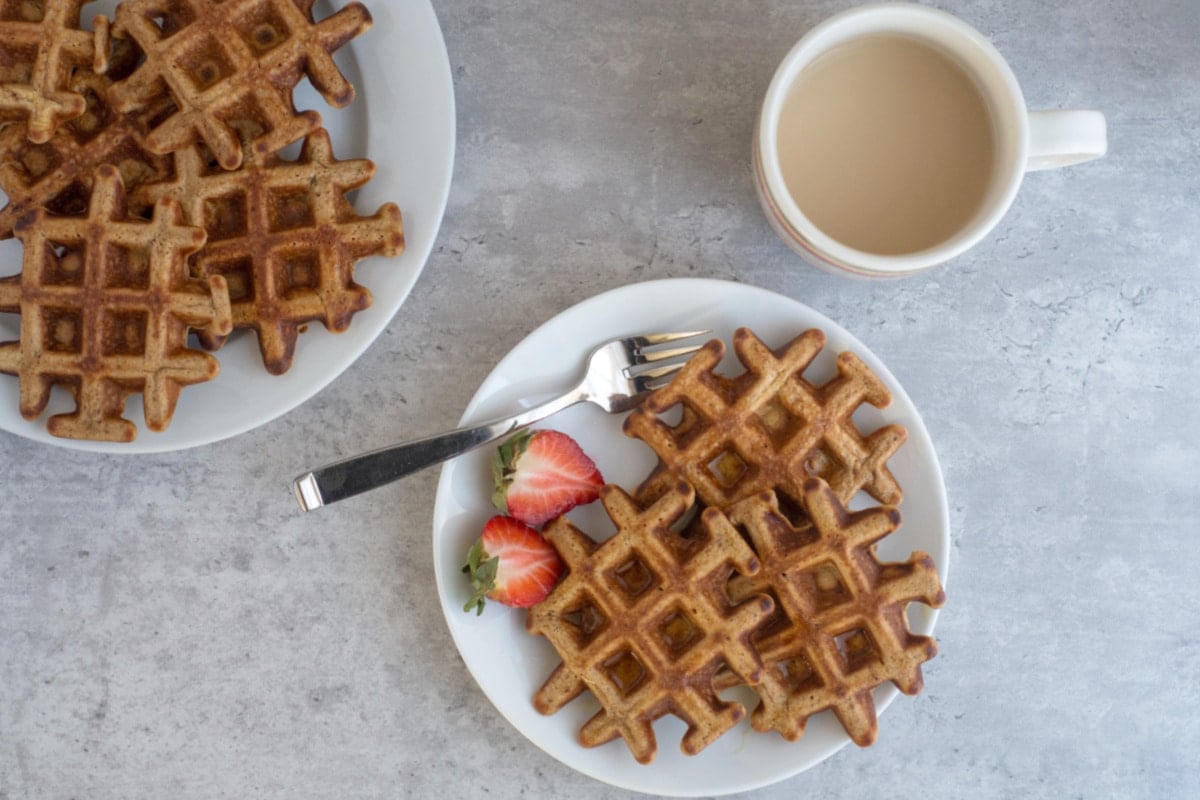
point(1025, 141)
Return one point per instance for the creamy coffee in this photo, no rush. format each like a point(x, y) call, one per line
point(886, 145)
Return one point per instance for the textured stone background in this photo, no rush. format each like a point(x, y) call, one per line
point(170, 626)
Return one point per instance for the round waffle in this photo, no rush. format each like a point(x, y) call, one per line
point(231, 66)
point(284, 236)
point(840, 627)
point(56, 174)
point(769, 428)
point(41, 44)
point(106, 304)
point(643, 622)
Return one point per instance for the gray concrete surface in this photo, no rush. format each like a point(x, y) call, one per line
point(171, 627)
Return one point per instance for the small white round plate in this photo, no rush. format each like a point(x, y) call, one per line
point(510, 664)
point(403, 120)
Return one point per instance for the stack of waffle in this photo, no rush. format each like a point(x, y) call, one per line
point(166, 126)
point(737, 562)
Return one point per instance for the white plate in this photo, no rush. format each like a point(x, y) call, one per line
point(403, 120)
point(510, 664)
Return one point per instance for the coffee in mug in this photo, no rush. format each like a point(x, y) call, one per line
point(894, 137)
point(886, 144)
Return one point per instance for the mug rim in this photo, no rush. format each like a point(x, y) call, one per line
point(810, 241)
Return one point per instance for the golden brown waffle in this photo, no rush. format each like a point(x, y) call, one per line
point(284, 236)
point(643, 622)
point(41, 44)
point(231, 66)
point(57, 174)
point(106, 304)
point(768, 428)
point(839, 629)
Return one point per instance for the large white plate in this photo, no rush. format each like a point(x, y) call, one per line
point(510, 664)
point(403, 120)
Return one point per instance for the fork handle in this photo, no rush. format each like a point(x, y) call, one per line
point(361, 473)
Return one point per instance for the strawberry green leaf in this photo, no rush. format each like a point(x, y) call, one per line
point(504, 466)
point(482, 571)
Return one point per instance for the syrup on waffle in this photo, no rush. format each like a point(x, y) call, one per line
point(41, 44)
point(284, 236)
point(106, 304)
point(57, 174)
point(768, 428)
point(643, 622)
point(231, 66)
point(839, 629)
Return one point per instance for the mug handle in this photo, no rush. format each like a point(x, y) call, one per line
point(1063, 138)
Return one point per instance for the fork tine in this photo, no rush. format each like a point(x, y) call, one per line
point(649, 339)
point(652, 380)
point(655, 384)
point(661, 355)
point(658, 372)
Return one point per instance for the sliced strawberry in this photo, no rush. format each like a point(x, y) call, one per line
point(541, 474)
point(512, 564)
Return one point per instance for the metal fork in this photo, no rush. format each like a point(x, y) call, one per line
point(619, 375)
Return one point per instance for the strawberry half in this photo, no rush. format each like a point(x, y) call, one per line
point(541, 474)
point(512, 564)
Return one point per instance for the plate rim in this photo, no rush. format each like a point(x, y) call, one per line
point(917, 431)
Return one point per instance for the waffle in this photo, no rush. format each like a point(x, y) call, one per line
point(642, 621)
point(106, 304)
point(41, 44)
point(769, 428)
point(231, 67)
point(284, 236)
point(57, 174)
point(839, 629)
